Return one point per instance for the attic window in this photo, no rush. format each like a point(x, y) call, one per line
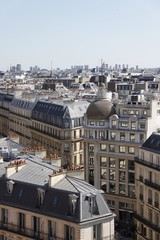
point(72, 204)
point(41, 194)
point(92, 202)
point(10, 185)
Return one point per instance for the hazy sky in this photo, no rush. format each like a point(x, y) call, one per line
point(79, 32)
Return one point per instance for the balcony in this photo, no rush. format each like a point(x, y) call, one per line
point(26, 232)
point(152, 185)
point(147, 164)
point(148, 223)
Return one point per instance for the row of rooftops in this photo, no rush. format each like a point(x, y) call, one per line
point(31, 174)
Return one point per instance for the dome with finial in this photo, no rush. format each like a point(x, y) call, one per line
point(101, 108)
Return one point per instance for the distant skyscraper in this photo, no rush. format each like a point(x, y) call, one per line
point(18, 68)
point(136, 67)
point(86, 67)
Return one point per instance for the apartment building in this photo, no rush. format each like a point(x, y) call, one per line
point(20, 113)
point(5, 100)
point(39, 201)
point(113, 133)
point(147, 179)
point(59, 127)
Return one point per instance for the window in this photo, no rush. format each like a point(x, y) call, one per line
point(75, 160)
point(112, 174)
point(103, 174)
point(80, 145)
point(21, 220)
point(112, 187)
point(131, 150)
point(114, 123)
point(141, 137)
point(66, 147)
point(132, 137)
point(130, 112)
point(91, 147)
point(130, 177)
point(97, 232)
point(92, 203)
point(101, 134)
point(112, 148)
point(122, 176)
point(113, 135)
point(111, 202)
point(75, 146)
point(131, 191)
point(41, 194)
point(122, 189)
point(72, 204)
point(36, 225)
point(122, 163)
point(137, 112)
point(133, 125)
point(156, 200)
point(4, 213)
point(124, 112)
point(103, 186)
point(51, 228)
point(124, 124)
point(150, 215)
point(91, 161)
point(69, 232)
point(150, 196)
point(103, 161)
point(101, 123)
point(10, 185)
point(112, 162)
point(122, 136)
point(130, 165)
point(142, 125)
point(80, 133)
point(91, 134)
point(91, 123)
point(122, 149)
point(144, 112)
point(103, 147)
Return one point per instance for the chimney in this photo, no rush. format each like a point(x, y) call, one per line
point(56, 177)
point(13, 137)
point(1, 159)
point(14, 167)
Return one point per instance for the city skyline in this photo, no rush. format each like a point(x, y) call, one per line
point(79, 33)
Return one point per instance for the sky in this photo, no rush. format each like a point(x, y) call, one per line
point(79, 32)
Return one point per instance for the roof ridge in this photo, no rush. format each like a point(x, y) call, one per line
point(72, 183)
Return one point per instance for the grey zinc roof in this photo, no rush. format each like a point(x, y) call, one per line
point(56, 200)
point(35, 171)
point(152, 143)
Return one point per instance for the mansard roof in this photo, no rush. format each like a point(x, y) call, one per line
point(29, 180)
point(152, 143)
point(22, 103)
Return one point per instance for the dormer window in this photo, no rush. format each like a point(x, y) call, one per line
point(72, 204)
point(92, 202)
point(41, 194)
point(10, 185)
